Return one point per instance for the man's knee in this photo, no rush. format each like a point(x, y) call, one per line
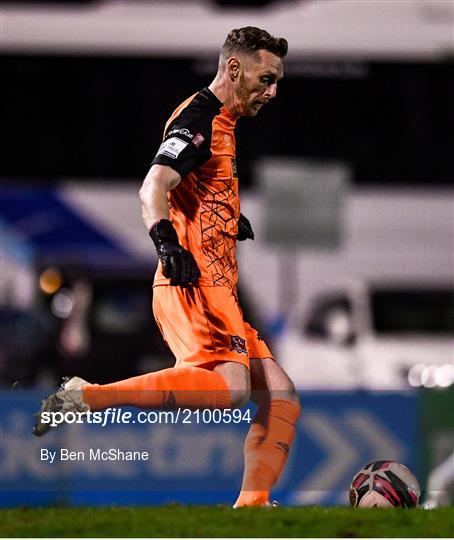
point(270, 382)
point(287, 393)
point(291, 393)
point(238, 380)
point(239, 398)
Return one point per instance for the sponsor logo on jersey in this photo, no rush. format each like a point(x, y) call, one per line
point(172, 147)
point(181, 131)
point(238, 344)
point(198, 139)
point(169, 400)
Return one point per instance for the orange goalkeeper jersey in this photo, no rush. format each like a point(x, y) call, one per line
point(199, 143)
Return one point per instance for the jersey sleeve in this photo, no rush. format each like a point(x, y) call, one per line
point(187, 141)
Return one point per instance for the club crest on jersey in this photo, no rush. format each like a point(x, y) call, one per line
point(238, 344)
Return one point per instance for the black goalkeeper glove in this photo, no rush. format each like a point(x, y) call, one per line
point(244, 229)
point(178, 264)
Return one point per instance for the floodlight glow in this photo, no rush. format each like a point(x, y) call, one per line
point(63, 304)
point(50, 281)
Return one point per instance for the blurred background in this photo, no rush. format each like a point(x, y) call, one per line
point(348, 180)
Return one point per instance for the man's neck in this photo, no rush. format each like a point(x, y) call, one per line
point(222, 89)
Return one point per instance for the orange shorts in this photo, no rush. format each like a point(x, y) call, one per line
point(204, 325)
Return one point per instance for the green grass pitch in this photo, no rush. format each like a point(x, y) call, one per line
point(203, 521)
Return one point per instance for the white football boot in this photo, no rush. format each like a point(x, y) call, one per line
point(68, 398)
point(430, 505)
point(268, 504)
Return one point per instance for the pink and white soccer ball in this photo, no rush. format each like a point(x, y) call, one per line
point(384, 484)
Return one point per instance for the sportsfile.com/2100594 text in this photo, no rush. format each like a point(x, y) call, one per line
point(178, 416)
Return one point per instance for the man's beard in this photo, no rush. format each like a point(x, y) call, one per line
point(243, 96)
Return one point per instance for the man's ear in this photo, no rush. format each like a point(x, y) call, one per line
point(233, 68)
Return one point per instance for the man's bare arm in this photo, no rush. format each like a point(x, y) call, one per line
point(178, 264)
point(153, 193)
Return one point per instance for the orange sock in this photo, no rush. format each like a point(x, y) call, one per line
point(266, 450)
point(190, 387)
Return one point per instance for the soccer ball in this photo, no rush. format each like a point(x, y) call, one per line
point(384, 484)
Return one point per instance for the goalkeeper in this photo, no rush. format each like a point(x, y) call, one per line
point(190, 206)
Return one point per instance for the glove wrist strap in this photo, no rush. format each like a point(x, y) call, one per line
point(163, 231)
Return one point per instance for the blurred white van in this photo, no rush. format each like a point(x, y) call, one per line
point(372, 336)
point(378, 311)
